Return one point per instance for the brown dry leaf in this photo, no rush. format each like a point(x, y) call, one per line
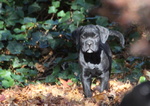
point(90, 102)
point(65, 83)
point(74, 94)
point(101, 97)
point(2, 98)
point(40, 67)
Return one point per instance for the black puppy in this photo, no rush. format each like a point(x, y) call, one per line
point(94, 54)
point(139, 96)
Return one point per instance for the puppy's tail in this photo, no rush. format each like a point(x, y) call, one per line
point(119, 35)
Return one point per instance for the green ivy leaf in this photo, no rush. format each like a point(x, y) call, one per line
point(66, 17)
point(103, 21)
point(56, 4)
point(20, 13)
point(36, 36)
point(14, 47)
point(34, 8)
point(75, 7)
point(20, 36)
point(52, 9)
point(5, 1)
point(7, 83)
point(29, 25)
point(48, 24)
point(51, 22)
point(7, 80)
point(23, 29)
point(78, 4)
point(61, 13)
point(13, 16)
point(54, 43)
point(5, 74)
point(19, 78)
point(72, 27)
point(52, 77)
point(78, 16)
point(75, 67)
point(16, 63)
point(63, 75)
point(5, 57)
point(5, 35)
point(26, 72)
point(1, 24)
point(28, 20)
point(17, 30)
point(43, 44)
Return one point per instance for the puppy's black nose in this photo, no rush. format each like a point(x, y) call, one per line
point(89, 42)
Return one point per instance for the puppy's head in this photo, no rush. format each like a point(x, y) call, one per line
point(89, 37)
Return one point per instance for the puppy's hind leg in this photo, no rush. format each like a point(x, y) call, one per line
point(104, 78)
point(86, 83)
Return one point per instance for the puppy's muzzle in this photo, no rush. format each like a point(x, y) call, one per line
point(89, 44)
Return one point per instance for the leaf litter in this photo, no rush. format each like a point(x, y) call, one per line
point(63, 95)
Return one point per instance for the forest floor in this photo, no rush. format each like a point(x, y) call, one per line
point(64, 94)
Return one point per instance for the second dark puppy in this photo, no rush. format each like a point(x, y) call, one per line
point(139, 96)
point(94, 54)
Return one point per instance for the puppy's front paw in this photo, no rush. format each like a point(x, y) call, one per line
point(88, 95)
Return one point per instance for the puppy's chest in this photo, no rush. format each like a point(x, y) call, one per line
point(94, 63)
point(93, 58)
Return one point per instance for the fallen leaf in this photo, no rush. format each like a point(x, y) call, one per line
point(2, 98)
point(65, 83)
point(69, 82)
point(101, 97)
point(40, 67)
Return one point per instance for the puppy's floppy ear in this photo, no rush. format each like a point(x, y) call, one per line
point(104, 33)
point(119, 35)
point(76, 34)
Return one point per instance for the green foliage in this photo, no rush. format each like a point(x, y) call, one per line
point(131, 68)
point(14, 47)
point(6, 78)
point(35, 7)
point(28, 27)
